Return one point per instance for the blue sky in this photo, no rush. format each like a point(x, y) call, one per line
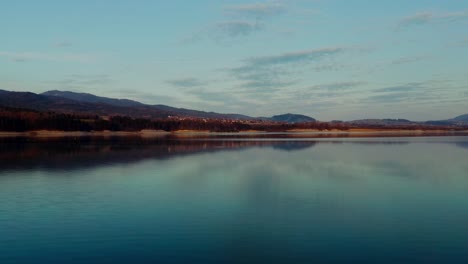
point(330, 59)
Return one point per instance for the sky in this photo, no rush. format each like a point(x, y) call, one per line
point(329, 59)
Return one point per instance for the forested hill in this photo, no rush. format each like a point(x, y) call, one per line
point(23, 111)
point(21, 120)
point(85, 103)
point(77, 103)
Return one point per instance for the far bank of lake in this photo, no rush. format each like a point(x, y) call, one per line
point(355, 132)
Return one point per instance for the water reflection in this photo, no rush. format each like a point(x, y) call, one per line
point(78, 153)
point(462, 144)
point(234, 200)
point(82, 152)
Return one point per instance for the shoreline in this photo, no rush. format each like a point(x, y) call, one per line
point(188, 133)
point(56, 133)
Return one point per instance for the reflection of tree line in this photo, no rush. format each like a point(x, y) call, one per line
point(81, 152)
point(462, 144)
point(70, 153)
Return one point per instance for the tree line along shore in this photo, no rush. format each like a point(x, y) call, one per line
point(24, 120)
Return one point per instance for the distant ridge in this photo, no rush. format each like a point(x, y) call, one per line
point(101, 106)
point(86, 103)
point(292, 118)
point(91, 98)
point(138, 109)
point(462, 118)
point(459, 120)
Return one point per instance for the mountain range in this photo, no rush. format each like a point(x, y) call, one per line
point(462, 118)
point(85, 103)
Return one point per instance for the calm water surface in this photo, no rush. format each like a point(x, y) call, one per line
point(228, 200)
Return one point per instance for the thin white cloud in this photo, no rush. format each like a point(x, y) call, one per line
point(419, 18)
point(405, 60)
point(430, 17)
point(338, 86)
point(294, 57)
point(225, 30)
point(186, 82)
point(238, 28)
point(63, 44)
point(257, 10)
point(242, 20)
point(464, 42)
point(278, 71)
point(62, 57)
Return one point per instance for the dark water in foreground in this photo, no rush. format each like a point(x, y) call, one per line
point(227, 200)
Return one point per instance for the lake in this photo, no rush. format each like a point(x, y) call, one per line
point(225, 199)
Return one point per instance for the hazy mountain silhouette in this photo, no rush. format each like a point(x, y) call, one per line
point(85, 103)
point(70, 102)
point(91, 98)
point(462, 118)
point(292, 118)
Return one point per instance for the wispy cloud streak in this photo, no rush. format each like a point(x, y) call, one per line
point(186, 82)
point(294, 57)
point(276, 71)
point(62, 57)
point(238, 28)
point(430, 17)
point(257, 10)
